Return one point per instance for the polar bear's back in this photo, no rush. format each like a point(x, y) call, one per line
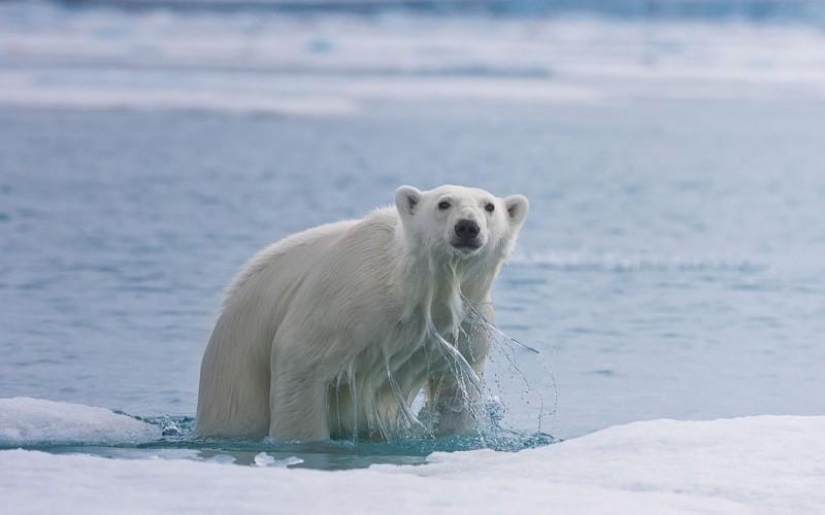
point(322, 257)
point(303, 247)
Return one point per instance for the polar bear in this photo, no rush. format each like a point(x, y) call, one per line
point(333, 332)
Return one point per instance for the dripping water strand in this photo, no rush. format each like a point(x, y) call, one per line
point(459, 359)
point(495, 329)
point(412, 419)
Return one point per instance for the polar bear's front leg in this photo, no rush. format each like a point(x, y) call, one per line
point(297, 402)
point(451, 395)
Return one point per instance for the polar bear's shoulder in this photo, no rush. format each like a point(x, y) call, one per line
point(309, 245)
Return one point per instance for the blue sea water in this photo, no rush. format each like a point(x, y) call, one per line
point(672, 265)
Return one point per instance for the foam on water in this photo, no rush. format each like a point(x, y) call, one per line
point(618, 262)
point(21, 93)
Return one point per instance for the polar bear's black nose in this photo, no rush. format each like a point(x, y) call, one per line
point(466, 229)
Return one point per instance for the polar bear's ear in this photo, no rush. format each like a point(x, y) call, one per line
point(406, 200)
point(517, 207)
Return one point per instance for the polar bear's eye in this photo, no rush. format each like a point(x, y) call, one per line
point(443, 205)
point(490, 207)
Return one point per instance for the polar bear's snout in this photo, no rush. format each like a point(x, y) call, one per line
point(466, 235)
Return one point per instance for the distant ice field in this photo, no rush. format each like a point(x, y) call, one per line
point(328, 64)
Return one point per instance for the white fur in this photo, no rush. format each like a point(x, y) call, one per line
point(332, 332)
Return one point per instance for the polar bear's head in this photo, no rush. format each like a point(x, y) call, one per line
point(460, 222)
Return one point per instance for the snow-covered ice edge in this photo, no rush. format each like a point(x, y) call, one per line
point(763, 464)
point(27, 421)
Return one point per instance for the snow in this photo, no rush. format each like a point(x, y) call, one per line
point(764, 464)
point(771, 464)
point(26, 421)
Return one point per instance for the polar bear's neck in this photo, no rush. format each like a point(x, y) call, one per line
point(437, 289)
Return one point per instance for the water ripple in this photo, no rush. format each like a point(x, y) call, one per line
point(622, 263)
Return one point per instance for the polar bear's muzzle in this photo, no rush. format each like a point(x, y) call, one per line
point(466, 236)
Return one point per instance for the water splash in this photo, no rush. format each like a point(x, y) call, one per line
point(508, 350)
